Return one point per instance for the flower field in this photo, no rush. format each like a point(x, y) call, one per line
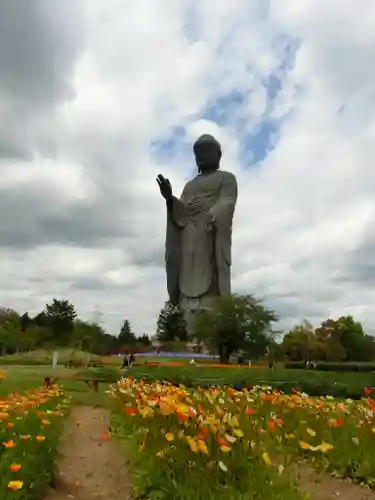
point(223, 443)
point(30, 426)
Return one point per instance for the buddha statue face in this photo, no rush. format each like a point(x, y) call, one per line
point(207, 152)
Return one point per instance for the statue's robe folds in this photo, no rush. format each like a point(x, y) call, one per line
point(198, 253)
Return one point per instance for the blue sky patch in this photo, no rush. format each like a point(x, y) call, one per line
point(229, 109)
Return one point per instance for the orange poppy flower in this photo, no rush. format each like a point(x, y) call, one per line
point(9, 444)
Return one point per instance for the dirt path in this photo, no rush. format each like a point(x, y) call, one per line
point(91, 466)
point(325, 487)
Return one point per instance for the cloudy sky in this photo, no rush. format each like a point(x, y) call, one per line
point(97, 97)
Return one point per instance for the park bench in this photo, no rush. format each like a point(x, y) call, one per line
point(92, 383)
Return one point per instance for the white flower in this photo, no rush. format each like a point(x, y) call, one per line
point(222, 466)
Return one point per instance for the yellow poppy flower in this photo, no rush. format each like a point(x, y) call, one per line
point(202, 447)
point(15, 485)
point(192, 444)
point(305, 446)
point(169, 436)
point(225, 448)
point(324, 447)
point(238, 433)
point(266, 458)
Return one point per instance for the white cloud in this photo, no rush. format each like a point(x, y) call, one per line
point(88, 222)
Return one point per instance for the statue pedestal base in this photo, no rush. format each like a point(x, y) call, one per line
point(192, 306)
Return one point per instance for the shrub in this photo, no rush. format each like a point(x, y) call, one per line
point(343, 385)
point(333, 367)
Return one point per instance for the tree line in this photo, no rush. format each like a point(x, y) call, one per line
point(242, 324)
point(58, 325)
point(335, 340)
point(236, 324)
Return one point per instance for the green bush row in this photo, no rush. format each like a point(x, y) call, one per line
point(315, 383)
point(12, 360)
point(333, 367)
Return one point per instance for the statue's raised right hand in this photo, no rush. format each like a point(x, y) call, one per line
point(164, 186)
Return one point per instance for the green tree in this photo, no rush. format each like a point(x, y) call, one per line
point(345, 339)
point(5, 340)
point(257, 344)
point(86, 334)
point(329, 329)
point(106, 344)
point(369, 348)
point(41, 319)
point(9, 316)
point(10, 330)
point(60, 316)
point(40, 335)
point(299, 344)
point(126, 336)
point(25, 322)
point(144, 340)
point(171, 324)
point(334, 350)
point(234, 322)
point(352, 339)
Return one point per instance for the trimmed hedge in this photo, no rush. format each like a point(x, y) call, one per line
point(24, 361)
point(340, 385)
point(332, 367)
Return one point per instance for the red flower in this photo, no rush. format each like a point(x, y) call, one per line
point(130, 411)
point(191, 412)
point(181, 416)
point(250, 411)
point(294, 390)
point(368, 391)
point(339, 422)
point(222, 442)
point(272, 423)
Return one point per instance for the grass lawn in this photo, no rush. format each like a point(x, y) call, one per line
point(24, 378)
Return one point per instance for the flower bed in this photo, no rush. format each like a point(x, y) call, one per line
point(30, 427)
point(223, 443)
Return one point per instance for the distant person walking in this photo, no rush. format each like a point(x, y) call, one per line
point(125, 363)
point(241, 361)
point(131, 359)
